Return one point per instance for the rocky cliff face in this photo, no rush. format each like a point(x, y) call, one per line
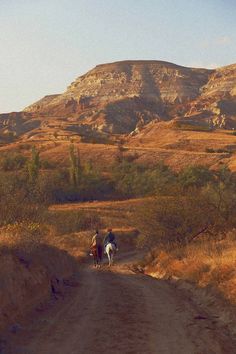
point(216, 104)
point(123, 96)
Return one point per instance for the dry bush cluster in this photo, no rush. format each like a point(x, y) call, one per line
point(203, 262)
point(191, 233)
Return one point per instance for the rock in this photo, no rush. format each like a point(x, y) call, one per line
point(116, 97)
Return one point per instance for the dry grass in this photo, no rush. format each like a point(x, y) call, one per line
point(205, 263)
point(114, 214)
point(156, 142)
point(118, 205)
point(99, 154)
point(178, 148)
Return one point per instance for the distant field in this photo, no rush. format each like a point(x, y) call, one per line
point(114, 214)
point(154, 143)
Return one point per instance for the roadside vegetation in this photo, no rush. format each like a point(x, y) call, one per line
point(191, 233)
point(187, 224)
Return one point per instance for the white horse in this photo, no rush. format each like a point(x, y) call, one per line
point(110, 251)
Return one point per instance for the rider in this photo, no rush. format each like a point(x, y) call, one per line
point(110, 238)
point(97, 242)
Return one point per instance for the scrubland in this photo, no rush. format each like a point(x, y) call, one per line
point(185, 221)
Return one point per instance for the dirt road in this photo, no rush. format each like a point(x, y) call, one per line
point(117, 311)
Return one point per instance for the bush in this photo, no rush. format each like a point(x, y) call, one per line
point(24, 236)
point(17, 200)
point(47, 165)
point(210, 150)
point(223, 151)
point(133, 180)
point(209, 211)
point(218, 151)
point(13, 162)
point(131, 157)
point(195, 176)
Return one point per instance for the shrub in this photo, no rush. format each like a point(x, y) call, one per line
point(131, 157)
point(47, 165)
point(195, 176)
point(210, 150)
point(24, 236)
point(180, 219)
point(132, 180)
point(13, 162)
point(222, 151)
point(17, 202)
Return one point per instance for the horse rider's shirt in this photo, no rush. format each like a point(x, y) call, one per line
point(96, 240)
point(109, 238)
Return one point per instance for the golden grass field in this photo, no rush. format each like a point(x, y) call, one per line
point(204, 263)
point(154, 143)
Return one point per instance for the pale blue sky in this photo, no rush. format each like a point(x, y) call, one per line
point(46, 44)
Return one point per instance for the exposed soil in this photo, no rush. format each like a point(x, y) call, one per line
point(114, 310)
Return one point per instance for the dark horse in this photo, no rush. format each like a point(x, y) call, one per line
point(97, 255)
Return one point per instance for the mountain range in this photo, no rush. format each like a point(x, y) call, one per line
point(123, 97)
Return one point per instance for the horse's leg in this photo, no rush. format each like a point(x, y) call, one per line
point(99, 257)
point(95, 260)
point(112, 257)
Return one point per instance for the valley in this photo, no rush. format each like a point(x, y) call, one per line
point(147, 148)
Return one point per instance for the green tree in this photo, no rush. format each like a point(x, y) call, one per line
point(33, 166)
point(195, 176)
point(75, 166)
point(162, 180)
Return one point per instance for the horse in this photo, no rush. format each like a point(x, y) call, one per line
point(97, 255)
point(110, 251)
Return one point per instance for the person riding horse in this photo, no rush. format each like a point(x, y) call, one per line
point(110, 238)
point(96, 246)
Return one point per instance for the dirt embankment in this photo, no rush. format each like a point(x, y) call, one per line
point(30, 280)
point(31, 275)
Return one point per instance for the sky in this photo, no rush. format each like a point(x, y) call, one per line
point(47, 44)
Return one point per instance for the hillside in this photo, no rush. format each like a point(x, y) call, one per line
point(119, 97)
point(161, 111)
